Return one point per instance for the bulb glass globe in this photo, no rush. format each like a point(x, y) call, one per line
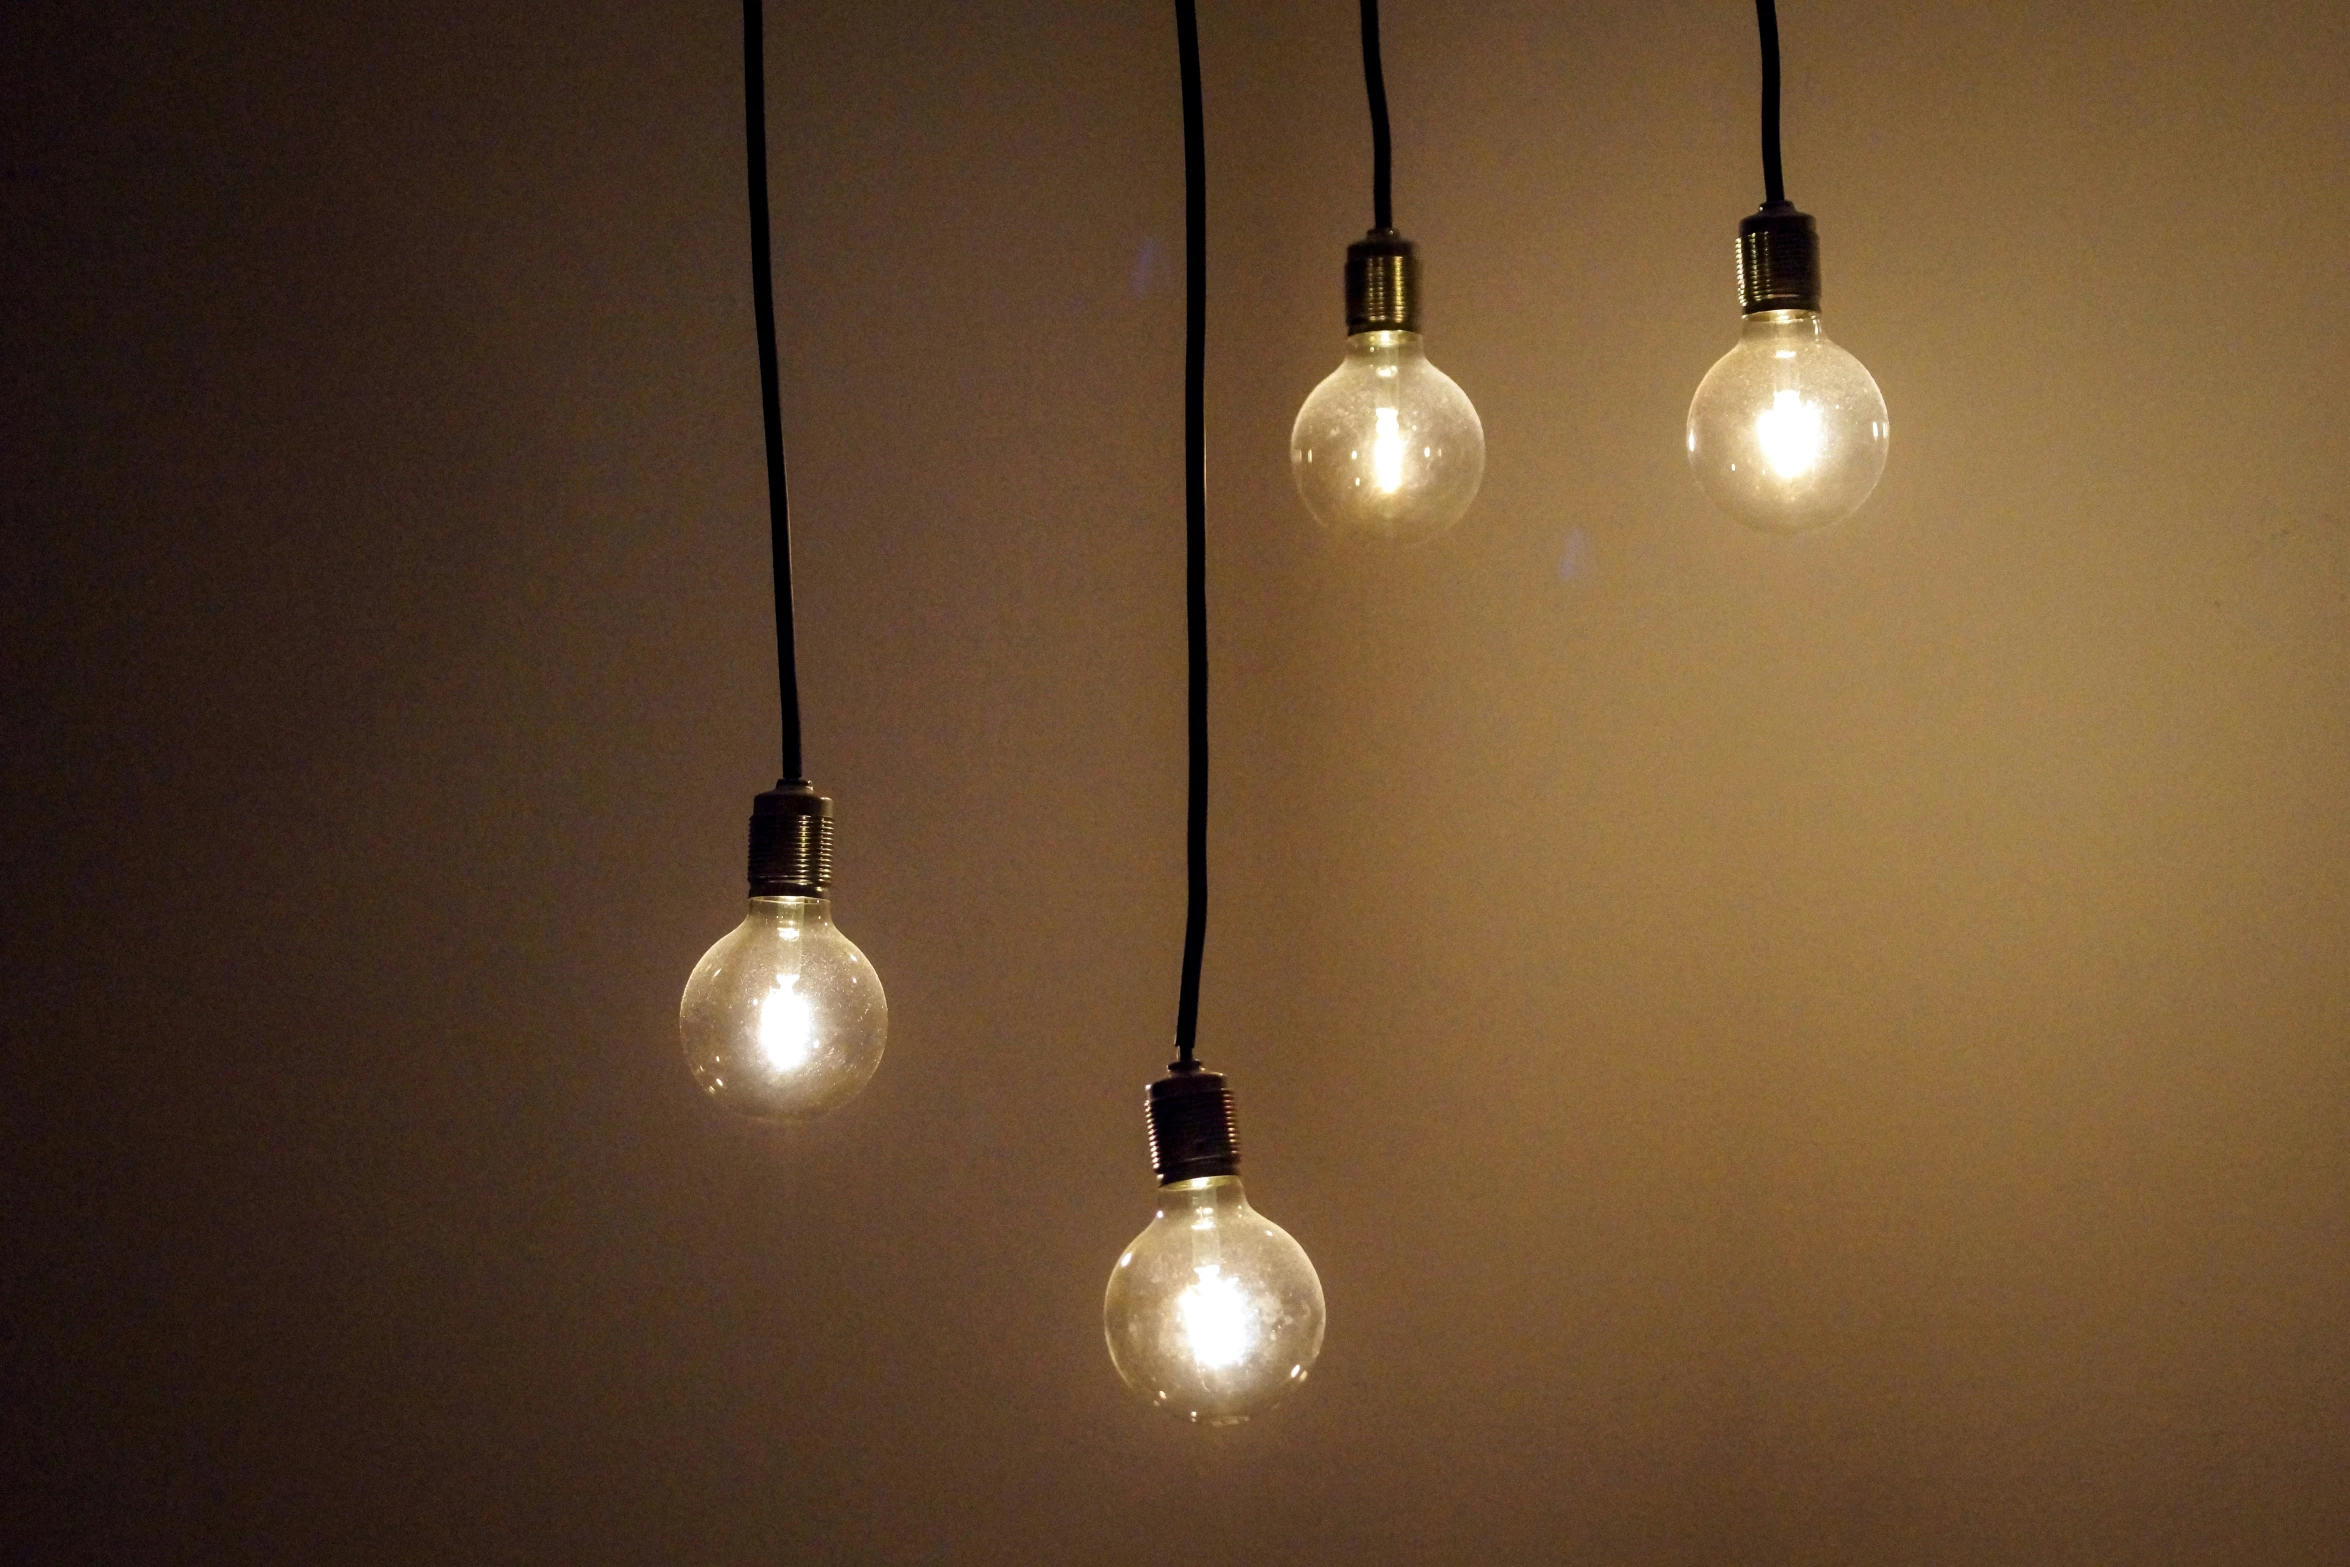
point(1213, 1313)
point(1787, 430)
point(1387, 447)
point(783, 1019)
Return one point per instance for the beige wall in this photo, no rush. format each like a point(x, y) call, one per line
point(1782, 1051)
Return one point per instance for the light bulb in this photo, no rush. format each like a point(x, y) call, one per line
point(1787, 430)
point(1214, 1312)
point(1388, 446)
point(783, 1018)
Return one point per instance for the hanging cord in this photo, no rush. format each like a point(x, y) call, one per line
point(1766, 18)
point(1382, 148)
point(787, 663)
point(1195, 517)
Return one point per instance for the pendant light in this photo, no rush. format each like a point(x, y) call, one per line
point(1387, 447)
point(784, 1018)
point(1787, 430)
point(1213, 1313)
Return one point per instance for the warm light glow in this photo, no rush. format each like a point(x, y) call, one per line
point(787, 1025)
point(783, 1018)
point(1216, 1319)
point(1387, 447)
point(1214, 1312)
point(1789, 431)
point(1387, 452)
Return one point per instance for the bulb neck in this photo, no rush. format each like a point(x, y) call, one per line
point(1382, 284)
point(1778, 260)
point(1203, 1194)
point(1194, 1131)
point(793, 909)
point(1780, 326)
point(1385, 346)
point(791, 842)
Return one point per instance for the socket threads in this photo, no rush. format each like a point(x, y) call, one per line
point(791, 842)
point(1778, 260)
point(1193, 1129)
point(1382, 284)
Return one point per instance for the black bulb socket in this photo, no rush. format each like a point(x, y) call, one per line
point(791, 842)
point(1194, 1132)
point(1778, 260)
point(1382, 284)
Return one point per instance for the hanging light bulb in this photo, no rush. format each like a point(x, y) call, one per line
point(1787, 431)
point(1213, 1313)
point(1387, 447)
point(784, 1018)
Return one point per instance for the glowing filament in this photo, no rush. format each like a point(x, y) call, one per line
point(1789, 431)
point(787, 1025)
point(1387, 452)
point(1215, 1318)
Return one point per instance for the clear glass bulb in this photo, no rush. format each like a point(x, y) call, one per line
point(1787, 430)
point(1387, 447)
point(783, 1019)
point(1214, 1312)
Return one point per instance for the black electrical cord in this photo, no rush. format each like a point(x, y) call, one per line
point(1766, 18)
point(1382, 147)
point(787, 665)
point(1195, 517)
